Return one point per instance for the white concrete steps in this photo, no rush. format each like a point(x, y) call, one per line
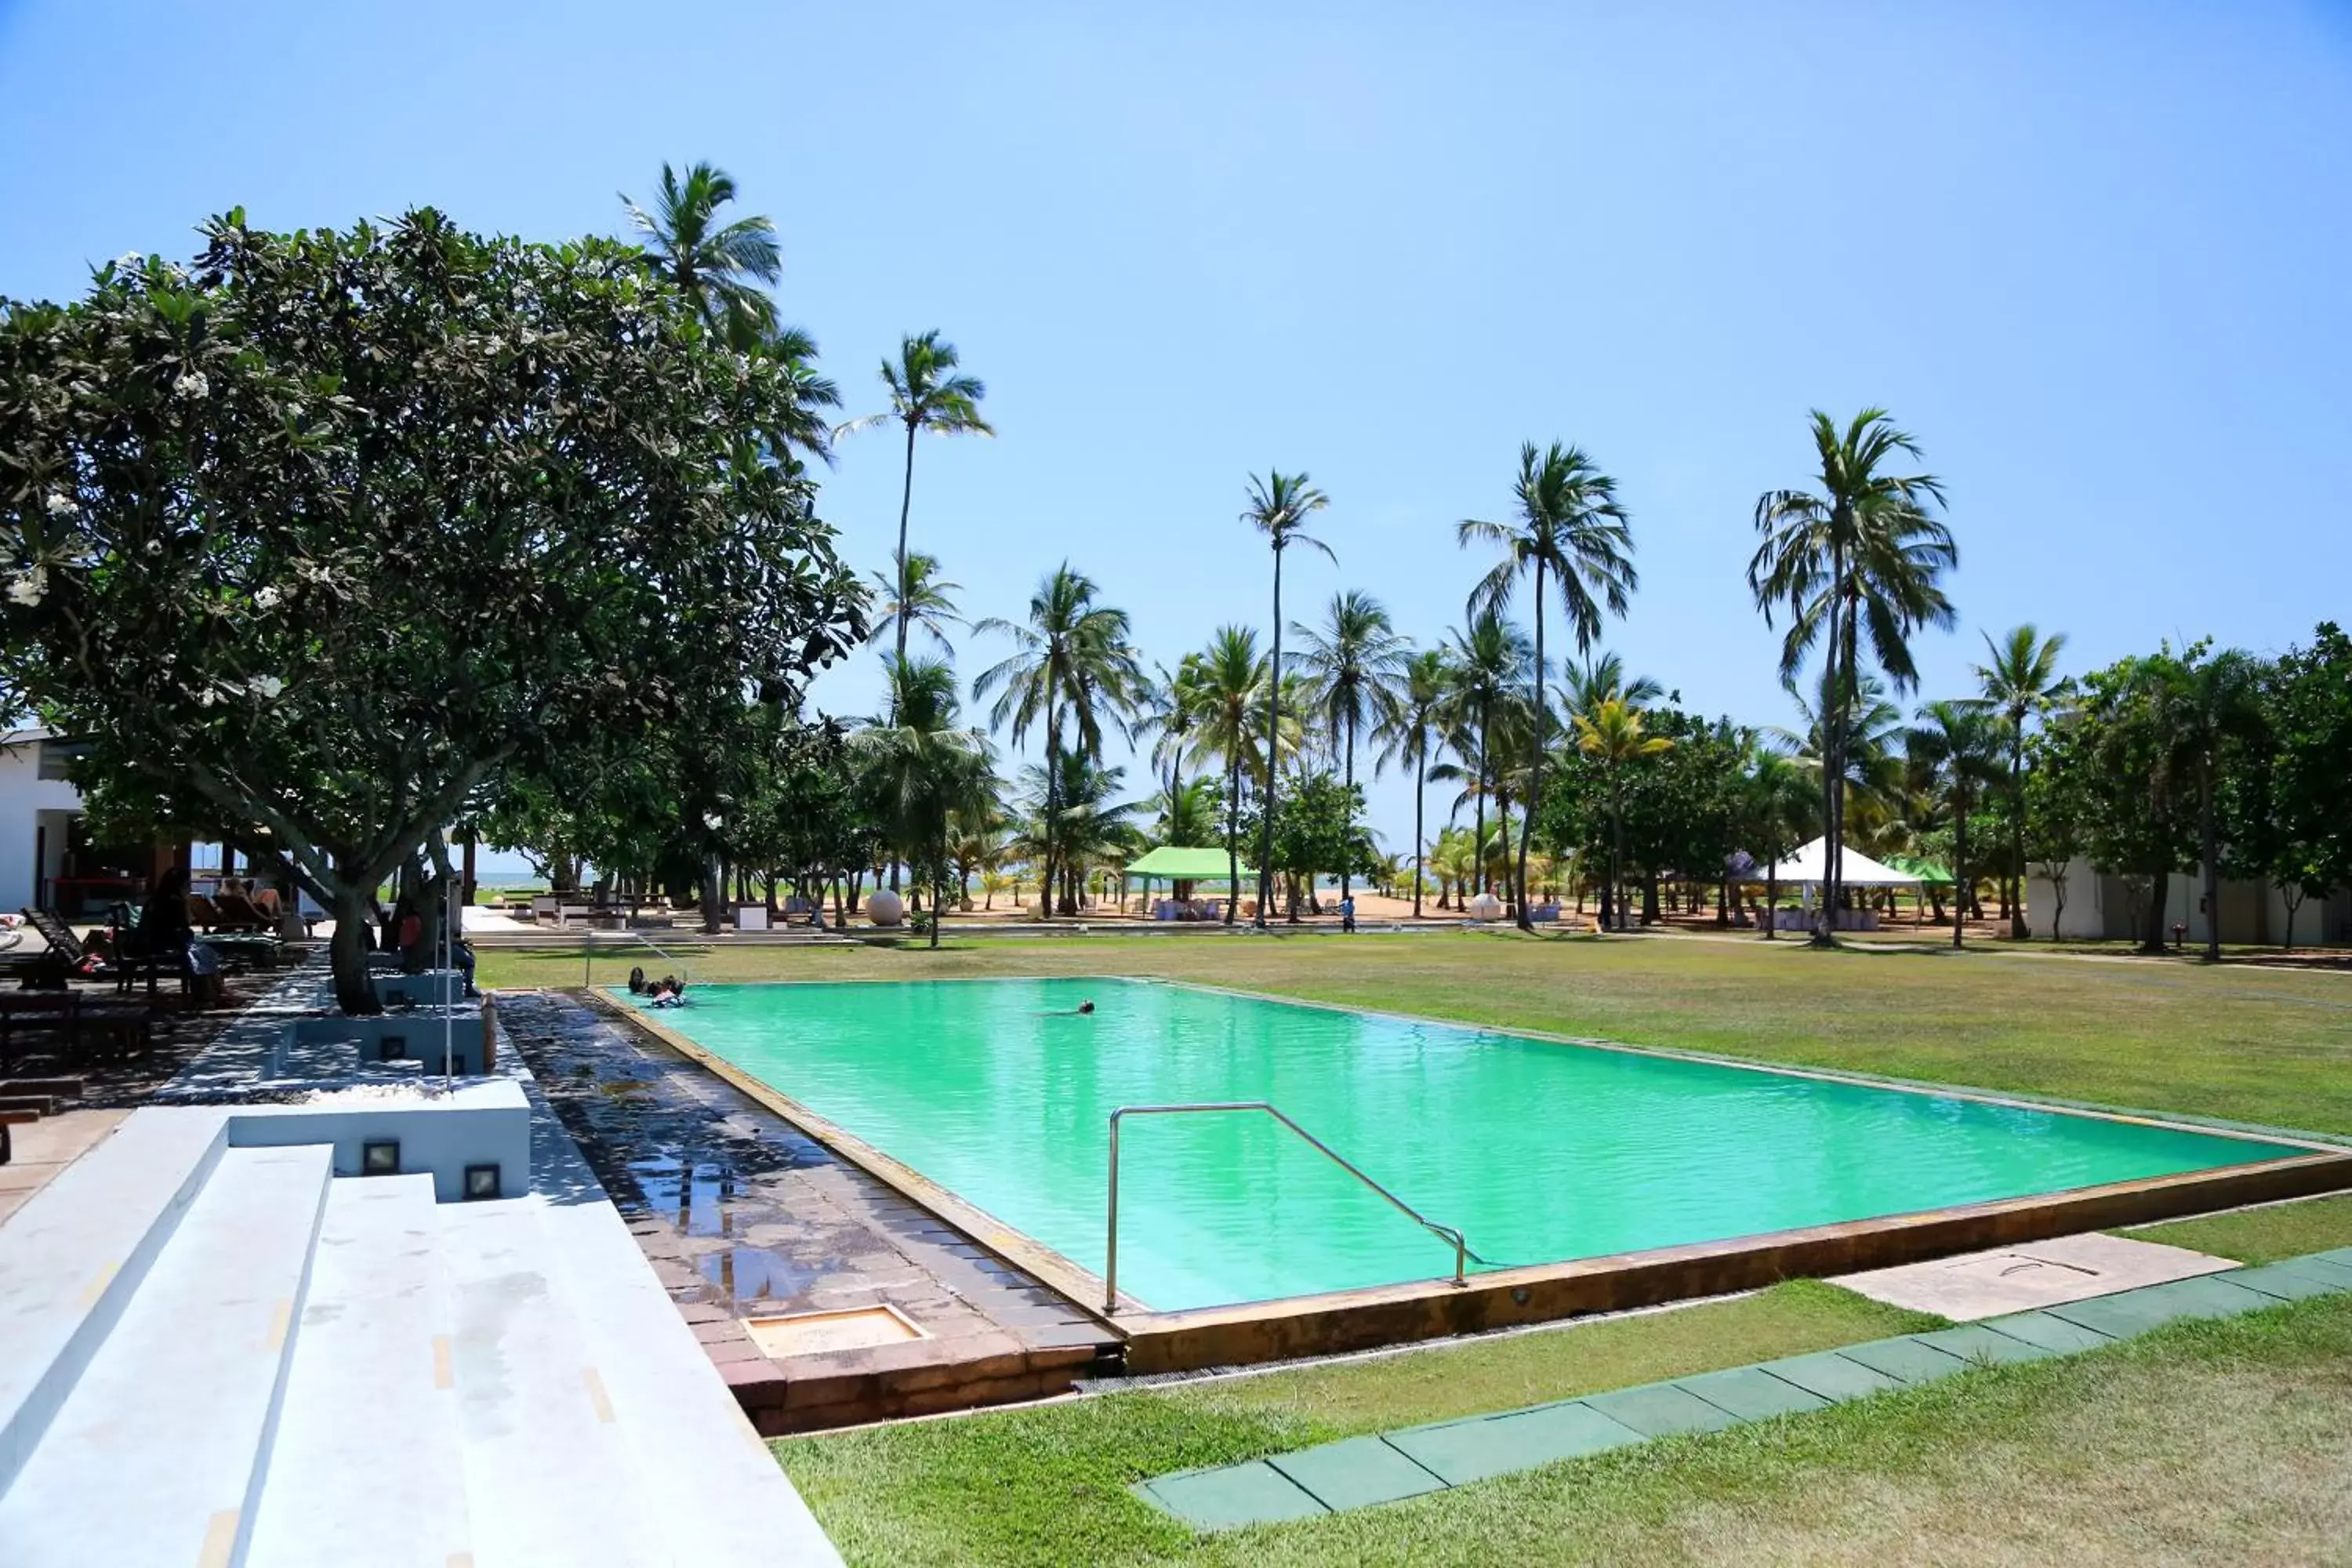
point(365, 1470)
point(73, 1256)
point(158, 1453)
point(684, 1425)
point(548, 1473)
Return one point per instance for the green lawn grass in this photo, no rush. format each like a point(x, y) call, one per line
point(2205, 1442)
point(2263, 1235)
point(2263, 1045)
point(1049, 1484)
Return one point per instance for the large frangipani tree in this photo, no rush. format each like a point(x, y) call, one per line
point(309, 539)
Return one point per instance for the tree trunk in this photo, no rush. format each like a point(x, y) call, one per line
point(1960, 871)
point(1478, 795)
point(2152, 938)
point(1534, 773)
point(1350, 779)
point(2208, 846)
point(1772, 900)
point(1233, 836)
point(1052, 809)
point(2018, 930)
point(906, 501)
point(346, 954)
point(1420, 846)
point(1273, 740)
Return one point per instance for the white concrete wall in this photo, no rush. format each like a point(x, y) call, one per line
point(2251, 912)
point(24, 794)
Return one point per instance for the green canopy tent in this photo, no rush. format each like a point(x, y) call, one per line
point(1178, 863)
point(1927, 874)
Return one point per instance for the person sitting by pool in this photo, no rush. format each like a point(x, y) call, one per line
point(670, 992)
point(638, 981)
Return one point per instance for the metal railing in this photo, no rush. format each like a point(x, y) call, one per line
point(1461, 1253)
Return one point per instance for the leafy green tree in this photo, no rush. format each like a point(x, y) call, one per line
point(1863, 552)
point(2215, 711)
point(1597, 677)
point(1086, 828)
point(1489, 662)
point(1074, 671)
point(1317, 830)
point(1187, 819)
point(1612, 736)
point(2057, 812)
point(2305, 820)
point(1775, 797)
point(2020, 679)
point(1963, 743)
point(927, 769)
point(2140, 818)
point(927, 392)
point(1352, 664)
point(1570, 526)
point(1413, 731)
point(273, 597)
point(1279, 507)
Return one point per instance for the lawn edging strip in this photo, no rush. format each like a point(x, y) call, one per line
point(1360, 1472)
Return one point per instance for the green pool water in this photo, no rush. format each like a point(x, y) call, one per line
point(1540, 1152)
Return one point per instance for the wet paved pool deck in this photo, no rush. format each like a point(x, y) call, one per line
point(743, 1215)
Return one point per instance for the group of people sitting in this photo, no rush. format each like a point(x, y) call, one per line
point(669, 991)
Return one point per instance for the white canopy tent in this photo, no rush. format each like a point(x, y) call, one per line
point(1808, 866)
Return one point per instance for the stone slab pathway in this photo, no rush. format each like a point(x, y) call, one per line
point(1359, 1472)
point(1978, 1285)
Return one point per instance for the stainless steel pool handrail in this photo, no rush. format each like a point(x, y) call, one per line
point(1461, 1253)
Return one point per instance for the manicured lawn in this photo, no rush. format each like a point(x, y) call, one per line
point(2205, 1442)
point(1049, 1484)
point(2263, 1235)
point(2262, 1045)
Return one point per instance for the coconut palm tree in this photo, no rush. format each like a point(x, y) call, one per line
point(1279, 506)
point(1077, 819)
point(1230, 676)
point(1187, 819)
point(1453, 861)
point(915, 593)
point(1488, 660)
point(1073, 672)
point(1776, 798)
point(927, 393)
point(1167, 712)
point(2019, 679)
point(1570, 526)
point(1352, 664)
point(1612, 736)
point(1961, 743)
point(1861, 553)
point(926, 770)
point(1413, 732)
point(1586, 685)
point(719, 266)
point(2212, 705)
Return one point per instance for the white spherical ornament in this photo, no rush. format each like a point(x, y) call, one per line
point(884, 908)
point(1486, 906)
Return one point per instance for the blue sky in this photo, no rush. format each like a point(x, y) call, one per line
point(2096, 256)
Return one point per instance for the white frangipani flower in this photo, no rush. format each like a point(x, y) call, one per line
point(62, 505)
point(266, 686)
point(267, 597)
point(192, 385)
point(27, 586)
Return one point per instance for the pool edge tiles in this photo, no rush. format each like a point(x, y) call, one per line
point(1310, 1324)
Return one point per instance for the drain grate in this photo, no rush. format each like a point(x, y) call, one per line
point(815, 1333)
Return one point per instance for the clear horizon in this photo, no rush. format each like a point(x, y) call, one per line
point(2093, 259)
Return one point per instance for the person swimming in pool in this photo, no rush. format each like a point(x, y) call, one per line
point(1082, 1010)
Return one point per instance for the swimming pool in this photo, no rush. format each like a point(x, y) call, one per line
point(1538, 1150)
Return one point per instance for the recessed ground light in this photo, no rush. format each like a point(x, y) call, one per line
point(392, 1047)
point(380, 1157)
point(481, 1182)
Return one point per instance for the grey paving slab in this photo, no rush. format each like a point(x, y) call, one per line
point(2286, 1282)
point(2337, 1274)
point(1751, 1394)
point(1832, 1375)
point(1905, 1358)
point(1981, 1346)
point(1254, 1493)
point(2054, 1334)
point(2137, 1311)
point(1662, 1410)
point(1356, 1473)
point(1472, 1450)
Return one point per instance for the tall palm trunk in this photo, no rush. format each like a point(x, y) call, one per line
point(1420, 845)
point(2018, 930)
point(2208, 846)
point(1961, 869)
point(1344, 866)
point(1535, 775)
point(1234, 834)
point(1479, 832)
point(906, 501)
point(1617, 842)
point(1052, 810)
point(1273, 738)
point(1771, 897)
